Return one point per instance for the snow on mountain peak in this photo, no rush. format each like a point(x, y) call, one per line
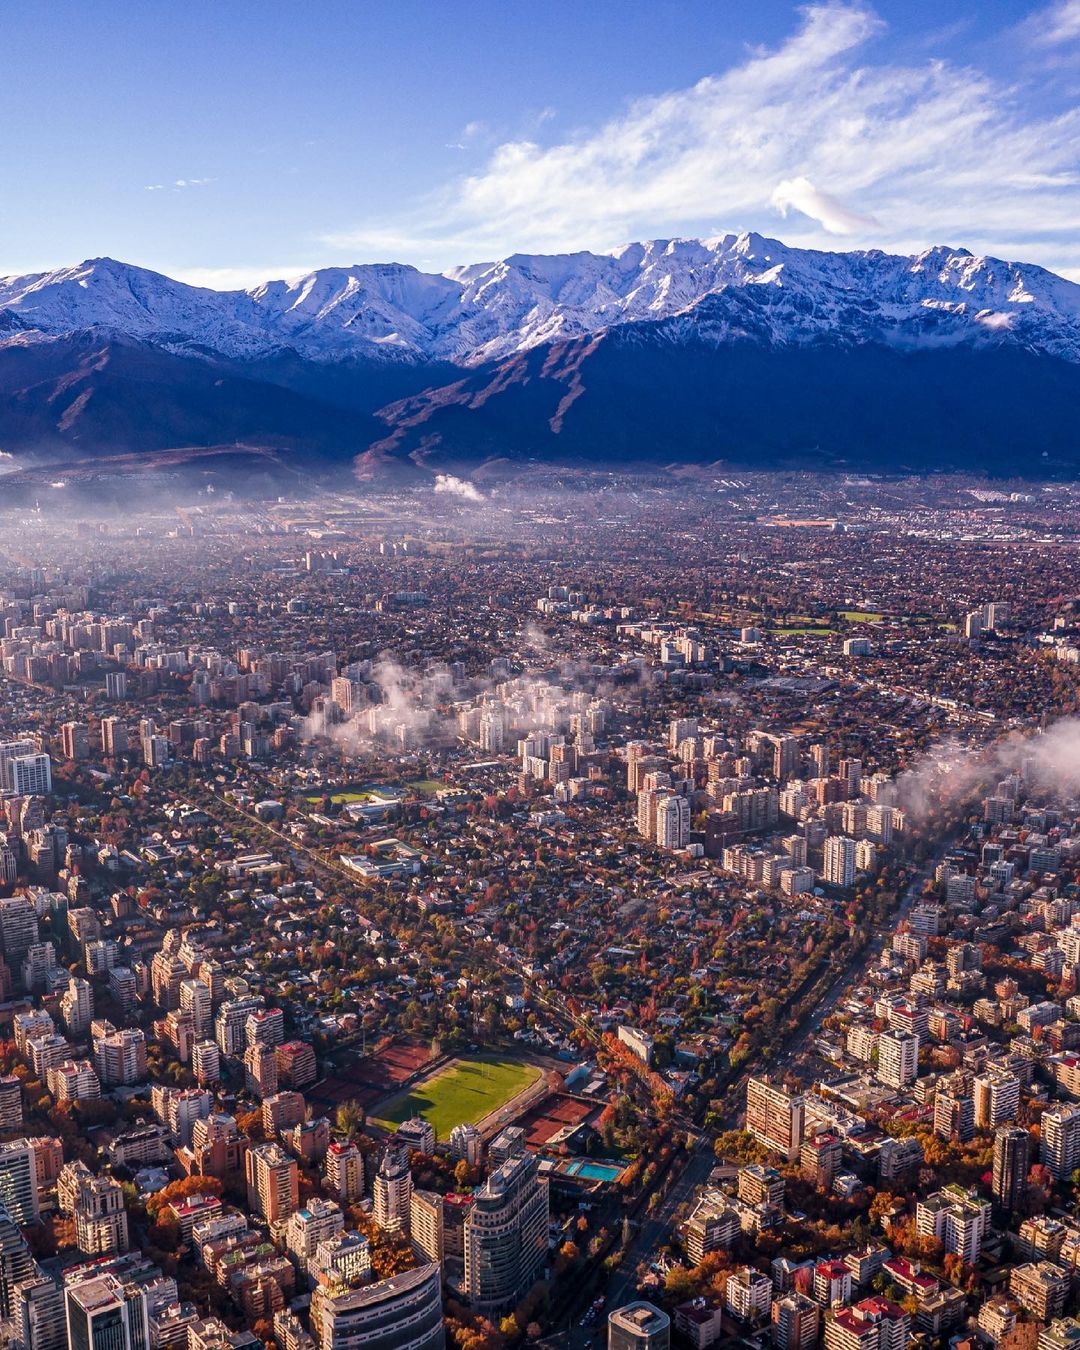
point(486, 311)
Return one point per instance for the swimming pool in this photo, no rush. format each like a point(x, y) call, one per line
point(590, 1171)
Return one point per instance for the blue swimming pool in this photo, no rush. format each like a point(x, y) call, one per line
point(592, 1171)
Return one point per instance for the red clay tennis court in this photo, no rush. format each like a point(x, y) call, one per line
point(368, 1078)
point(543, 1121)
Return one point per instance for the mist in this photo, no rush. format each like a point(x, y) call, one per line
point(1046, 760)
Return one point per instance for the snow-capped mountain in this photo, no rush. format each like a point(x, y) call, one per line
point(732, 288)
point(737, 348)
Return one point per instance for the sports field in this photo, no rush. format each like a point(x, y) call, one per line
point(466, 1090)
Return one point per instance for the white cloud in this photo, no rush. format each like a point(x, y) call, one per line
point(886, 154)
point(1056, 24)
point(799, 194)
point(457, 487)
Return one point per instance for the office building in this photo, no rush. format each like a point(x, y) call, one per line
point(1012, 1154)
point(639, 1326)
point(103, 1313)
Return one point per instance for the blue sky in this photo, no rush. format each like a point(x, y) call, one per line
point(233, 141)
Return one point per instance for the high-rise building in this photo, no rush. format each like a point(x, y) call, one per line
point(116, 685)
point(206, 1063)
point(9, 752)
point(230, 1027)
point(796, 1320)
point(39, 1314)
point(18, 929)
point(75, 740)
point(119, 1056)
point(638, 1326)
point(261, 1070)
point(467, 1144)
point(839, 868)
point(774, 1117)
point(272, 1182)
point(77, 1006)
point(898, 1059)
point(344, 1258)
point(1060, 1140)
point(417, 1135)
point(954, 1111)
point(997, 1099)
point(105, 1314)
point(313, 1223)
point(506, 1235)
point(1012, 1153)
point(873, 1324)
point(31, 776)
point(785, 757)
point(426, 1225)
point(101, 1224)
point(672, 821)
point(18, 1181)
point(16, 1263)
point(195, 999)
point(403, 1312)
point(393, 1191)
point(957, 1218)
point(344, 1171)
point(265, 1026)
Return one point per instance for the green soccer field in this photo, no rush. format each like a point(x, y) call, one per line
point(463, 1092)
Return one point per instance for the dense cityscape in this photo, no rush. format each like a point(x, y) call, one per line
point(615, 913)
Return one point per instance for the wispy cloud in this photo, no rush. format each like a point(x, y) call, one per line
point(1057, 24)
point(179, 184)
point(821, 129)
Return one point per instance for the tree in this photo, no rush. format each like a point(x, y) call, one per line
point(680, 1285)
point(349, 1117)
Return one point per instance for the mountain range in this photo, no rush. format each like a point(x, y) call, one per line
point(737, 349)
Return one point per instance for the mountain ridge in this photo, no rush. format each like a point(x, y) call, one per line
point(487, 311)
point(666, 351)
